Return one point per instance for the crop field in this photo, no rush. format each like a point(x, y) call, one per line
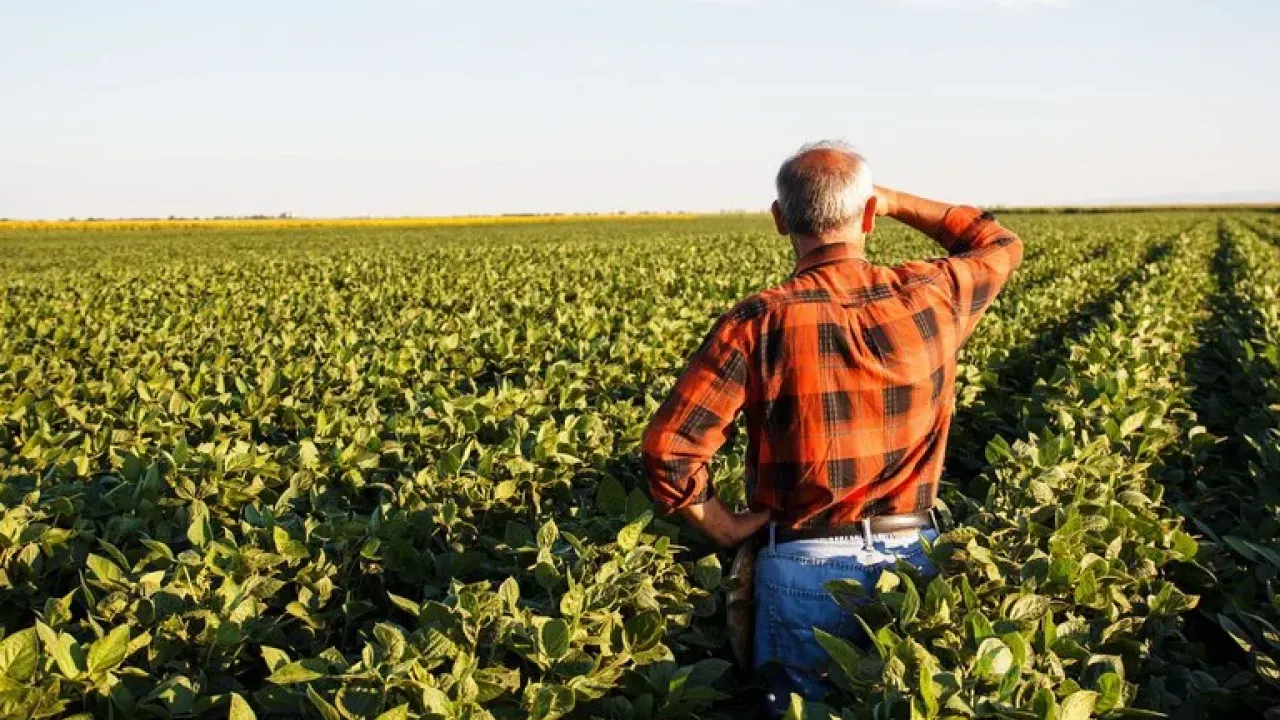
point(391, 471)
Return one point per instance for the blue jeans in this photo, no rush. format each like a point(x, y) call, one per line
point(791, 601)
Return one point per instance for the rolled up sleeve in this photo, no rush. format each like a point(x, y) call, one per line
point(693, 422)
point(983, 255)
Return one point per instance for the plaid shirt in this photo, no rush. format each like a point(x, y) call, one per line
point(846, 373)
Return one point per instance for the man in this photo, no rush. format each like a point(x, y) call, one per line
point(846, 374)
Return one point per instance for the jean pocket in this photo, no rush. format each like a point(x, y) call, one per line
point(795, 613)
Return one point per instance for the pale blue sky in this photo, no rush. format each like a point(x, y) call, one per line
point(324, 108)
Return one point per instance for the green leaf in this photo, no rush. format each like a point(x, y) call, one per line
point(611, 498)
point(308, 454)
point(1132, 423)
point(1044, 704)
point(1236, 632)
point(553, 638)
point(449, 463)
point(400, 712)
point(615, 708)
point(928, 688)
point(993, 659)
point(405, 604)
point(1086, 591)
point(509, 591)
point(66, 653)
point(104, 569)
point(637, 504)
point(573, 602)
point(326, 709)
point(977, 627)
point(392, 640)
point(841, 652)
point(1029, 608)
point(436, 701)
point(546, 575)
point(998, 451)
point(274, 657)
point(707, 672)
point(1018, 646)
point(547, 534)
point(910, 607)
point(286, 546)
point(550, 702)
point(1078, 705)
point(361, 701)
point(795, 708)
point(887, 583)
point(708, 573)
point(1110, 692)
point(504, 490)
point(644, 630)
point(199, 531)
point(1171, 601)
point(1112, 429)
point(1048, 633)
point(19, 654)
point(629, 536)
point(848, 592)
point(297, 672)
point(968, 595)
point(240, 709)
point(1241, 546)
point(110, 650)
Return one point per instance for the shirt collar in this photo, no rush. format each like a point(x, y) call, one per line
point(826, 254)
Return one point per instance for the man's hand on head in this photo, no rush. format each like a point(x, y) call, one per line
point(886, 201)
point(923, 214)
point(725, 528)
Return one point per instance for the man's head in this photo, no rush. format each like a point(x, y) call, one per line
point(825, 195)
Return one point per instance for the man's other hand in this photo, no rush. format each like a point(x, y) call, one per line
point(724, 528)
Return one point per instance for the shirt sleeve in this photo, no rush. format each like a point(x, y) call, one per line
point(983, 254)
point(694, 421)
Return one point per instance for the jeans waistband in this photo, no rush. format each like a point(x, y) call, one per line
point(900, 538)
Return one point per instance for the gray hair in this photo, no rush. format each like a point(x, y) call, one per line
point(823, 187)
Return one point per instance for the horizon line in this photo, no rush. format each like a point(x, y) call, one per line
point(288, 219)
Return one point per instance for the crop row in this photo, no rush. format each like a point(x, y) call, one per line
point(1227, 488)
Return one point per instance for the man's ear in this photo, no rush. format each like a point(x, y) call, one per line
point(869, 216)
point(778, 222)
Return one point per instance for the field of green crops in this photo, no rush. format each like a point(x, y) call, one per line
point(392, 472)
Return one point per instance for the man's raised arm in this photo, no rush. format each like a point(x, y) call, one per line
point(983, 253)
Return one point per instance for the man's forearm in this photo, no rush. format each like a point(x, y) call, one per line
point(923, 214)
point(723, 527)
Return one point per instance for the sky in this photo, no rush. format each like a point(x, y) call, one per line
point(394, 107)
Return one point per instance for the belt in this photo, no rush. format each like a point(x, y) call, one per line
point(878, 525)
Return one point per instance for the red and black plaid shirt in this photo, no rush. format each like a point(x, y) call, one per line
point(846, 373)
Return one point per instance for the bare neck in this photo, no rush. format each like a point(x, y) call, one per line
point(803, 244)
